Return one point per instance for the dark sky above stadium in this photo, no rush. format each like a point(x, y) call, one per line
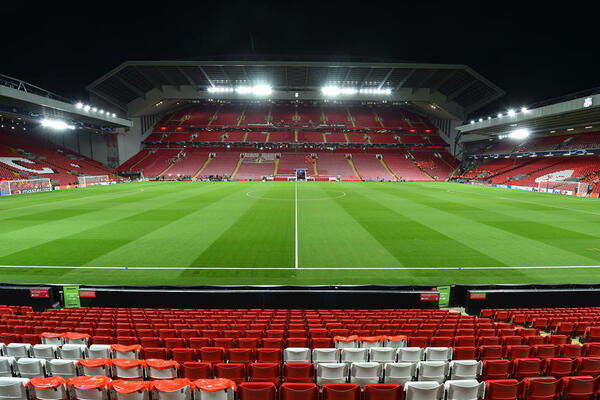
point(532, 50)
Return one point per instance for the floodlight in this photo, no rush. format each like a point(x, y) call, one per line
point(472, 121)
point(101, 111)
point(480, 119)
point(94, 109)
point(511, 113)
point(499, 115)
point(79, 106)
point(519, 133)
point(86, 108)
point(114, 115)
point(524, 110)
point(56, 124)
point(330, 91)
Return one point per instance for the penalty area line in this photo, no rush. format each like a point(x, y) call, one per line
point(303, 268)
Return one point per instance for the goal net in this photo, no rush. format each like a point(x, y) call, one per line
point(579, 189)
point(93, 180)
point(25, 186)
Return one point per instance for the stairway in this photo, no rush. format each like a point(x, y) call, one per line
point(354, 168)
point(237, 167)
point(201, 168)
point(276, 167)
point(387, 169)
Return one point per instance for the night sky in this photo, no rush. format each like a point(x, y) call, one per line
point(532, 50)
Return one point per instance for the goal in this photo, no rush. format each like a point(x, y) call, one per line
point(25, 186)
point(579, 189)
point(93, 180)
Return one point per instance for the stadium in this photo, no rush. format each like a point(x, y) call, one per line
point(266, 226)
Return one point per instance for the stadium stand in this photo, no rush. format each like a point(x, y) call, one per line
point(278, 126)
point(78, 348)
point(24, 156)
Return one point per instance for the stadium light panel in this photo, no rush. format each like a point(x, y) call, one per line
point(499, 115)
point(519, 133)
point(257, 90)
point(511, 113)
point(86, 108)
point(79, 106)
point(94, 109)
point(114, 115)
point(524, 110)
point(56, 124)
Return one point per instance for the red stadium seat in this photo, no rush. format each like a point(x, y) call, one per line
point(528, 367)
point(269, 355)
point(298, 372)
point(264, 372)
point(559, 367)
point(196, 370)
point(492, 352)
point(464, 353)
point(540, 388)
point(588, 366)
point(240, 355)
point(501, 389)
point(154, 352)
point(383, 391)
point(341, 391)
point(212, 354)
point(298, 391)
point(199, 342)
point(496, 369)
point(183, 354)
point(518, 351)
point(578, 387)
point(233, 371)
point(257, 391)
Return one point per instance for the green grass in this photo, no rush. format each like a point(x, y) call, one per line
point(251, 225)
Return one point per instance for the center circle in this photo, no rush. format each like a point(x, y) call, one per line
point(258, 194)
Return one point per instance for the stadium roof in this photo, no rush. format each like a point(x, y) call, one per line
point(24, 100)
point(148, 87)
point(569, 114)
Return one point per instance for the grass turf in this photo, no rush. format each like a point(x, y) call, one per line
point(252, 225)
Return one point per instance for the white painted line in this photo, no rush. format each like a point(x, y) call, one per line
point(296, 226)
point(305, 268)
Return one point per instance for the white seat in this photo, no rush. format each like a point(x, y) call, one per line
point(18, 350)
point(99, 351)
point(438, 354)
point(363, 373)
point(103, 370)
point(296, 354)
point(65, 368)
point(52, 393)
point(13, 388)
point(332, 373)
point(326, 355)
point(82, 341)
point(423, 391)
point(412, 354)
point(8, 366)
point(161, 373)
point(354, 355)
point(32, 367)
point(347, 345)
point(465, 369)
point(368, 345)
point(432, 370)
point(134, 354)
point(45, 351)
point(73, 351)
point(382, 354)
point(400, 372)
point(2, 349)
point(128, 373)
point(55, 341)
point(465, 389)
point(181, 394)
point(90, 394)
point(395, 343)
point(137, 395)
point(225, 394)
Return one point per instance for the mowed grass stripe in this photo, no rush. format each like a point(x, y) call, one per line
point(413, 243)
point(577, 244)
point(330, 236)
point(134, 220)
point(510, 242)
point(263, 236)
point(180, 242)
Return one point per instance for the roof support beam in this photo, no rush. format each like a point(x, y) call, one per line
point(460, 90)
point(444, 80)
point(206, 76)
point(110, 99)
point(187, 77)
point(227, 75)
point(427, 76)
point(130, 86)
point(150, 80)
point(167, 78)
point(348, 74)
point(405, 79)
point(384, 80)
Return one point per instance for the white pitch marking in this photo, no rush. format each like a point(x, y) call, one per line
point(296, 227)
point(306, 268)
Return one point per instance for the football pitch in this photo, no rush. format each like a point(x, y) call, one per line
point(287, 233)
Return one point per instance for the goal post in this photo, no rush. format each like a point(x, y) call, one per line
point(85, 181)
point(23, 186)
point(579, 189)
